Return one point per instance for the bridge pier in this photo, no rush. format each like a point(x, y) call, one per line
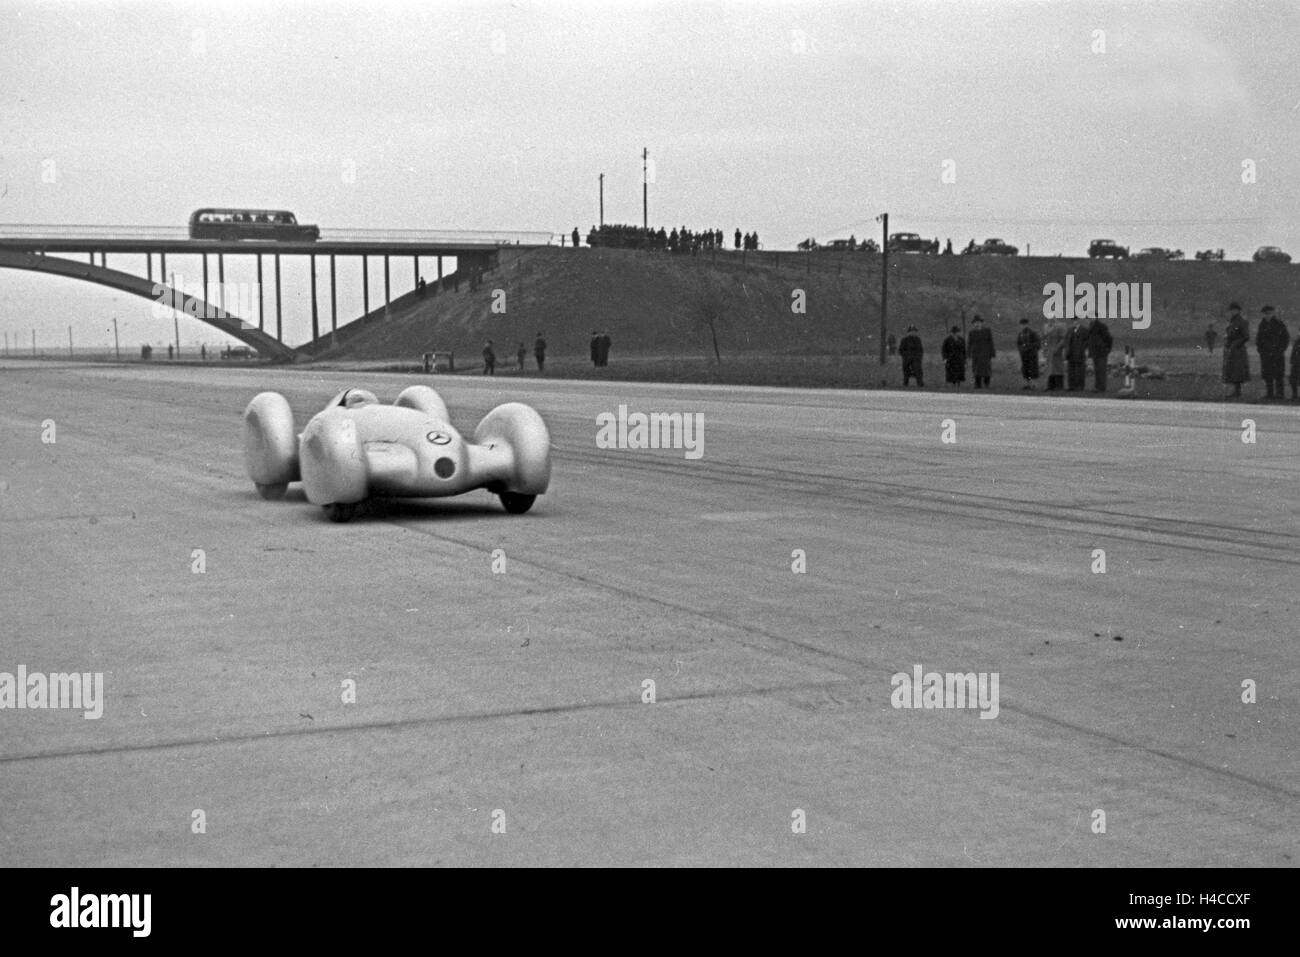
point(279, 335)
point(205, 277)
point(148, 266)
point(415, 262)
point(387, 296)
point(261, 304)
point(439, 274)
point(221, 284)
point(365, 285)
point(334, 300)
point(315, 323)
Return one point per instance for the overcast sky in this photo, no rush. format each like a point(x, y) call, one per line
point(1060, 122)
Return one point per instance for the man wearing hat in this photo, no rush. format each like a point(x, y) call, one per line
point(1236, 362)
point(954, 357)
point(1099, 346)
point(912, 350)
point(1271, 339)
point(981, 351)
point(1076, 356)
point(1028, 343)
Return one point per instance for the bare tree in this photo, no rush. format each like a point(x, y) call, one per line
point(710, 308)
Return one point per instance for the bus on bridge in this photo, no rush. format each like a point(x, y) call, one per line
point(263, 224)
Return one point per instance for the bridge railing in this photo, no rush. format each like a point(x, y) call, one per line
point(70, 231)
point(327, 234)
point(448, 236)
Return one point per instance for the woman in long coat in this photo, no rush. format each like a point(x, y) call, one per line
point(1236, 361)
point(982, 353)
point(954, 357)
point(1054, 346)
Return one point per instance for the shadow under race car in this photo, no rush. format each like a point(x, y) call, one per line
point(357, 448)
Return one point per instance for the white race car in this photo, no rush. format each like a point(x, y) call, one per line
point(357, 448)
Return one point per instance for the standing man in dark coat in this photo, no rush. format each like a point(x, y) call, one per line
point(954, 357)
point(1210, 335)
point(489, 359)
point(1236, 361)
point(604, 349)
point(1099, 344)
point(576, 239)
point(1271, 339)
point(981, 350)
point(539, 352)
point(1295, 369)
point(1076, 357)
point(1027, 344)
point(521, 355)
point(595, 348)
point(737, 238)
point(912, 350)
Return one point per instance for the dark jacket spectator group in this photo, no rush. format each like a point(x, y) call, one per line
point(679, 240)
point(1065, 349)
point(1271, 341)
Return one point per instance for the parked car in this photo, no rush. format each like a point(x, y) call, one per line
point(1158, 252)
point(808, 243)
point(912, 243)
point(1271, 254)
point(992, 247)
point(238, 352)
point(1106, 249)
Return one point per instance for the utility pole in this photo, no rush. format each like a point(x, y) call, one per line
point(602, 200)
point(117, 350)
point(645, 191)
point(176, 321)
point(884, 286)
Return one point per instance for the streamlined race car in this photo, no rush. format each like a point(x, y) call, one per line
point(357, 448)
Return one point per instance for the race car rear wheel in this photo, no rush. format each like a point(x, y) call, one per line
point(340, 511)
point(516, 503)
point(272, 493)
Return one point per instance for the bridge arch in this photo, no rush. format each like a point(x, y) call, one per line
point(148, 289)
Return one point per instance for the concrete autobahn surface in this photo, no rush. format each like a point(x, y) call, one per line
point(521, 692)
